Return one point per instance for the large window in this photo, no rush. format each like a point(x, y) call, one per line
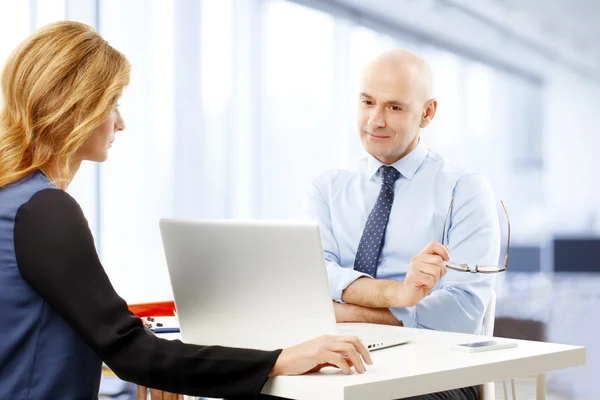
point(136, 184)
point(216, 87)
point(15, 20)
point(297, 134)
point(446, 133)
point(235, 105)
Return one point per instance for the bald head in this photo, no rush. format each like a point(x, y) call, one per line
point(395, 104)
point(407, 69)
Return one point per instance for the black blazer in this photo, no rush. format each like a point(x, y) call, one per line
point(56, 256)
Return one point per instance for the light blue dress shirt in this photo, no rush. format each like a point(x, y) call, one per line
point(341, 200)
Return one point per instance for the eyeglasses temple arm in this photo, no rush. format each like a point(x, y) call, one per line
point(508, 235)
point(445, 221)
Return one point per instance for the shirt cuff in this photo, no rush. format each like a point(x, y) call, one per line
point(405, 315)
point(342, 279)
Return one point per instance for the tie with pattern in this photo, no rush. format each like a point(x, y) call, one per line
point(371, 241)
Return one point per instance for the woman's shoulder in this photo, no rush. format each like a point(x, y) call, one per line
point(52, 201)
point(18, 193)
point(51, 214)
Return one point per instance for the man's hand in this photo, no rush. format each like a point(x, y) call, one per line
point(157, 394)
point(425, 271)
point(342, 352)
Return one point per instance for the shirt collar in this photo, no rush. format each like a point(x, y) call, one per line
point(407, 165)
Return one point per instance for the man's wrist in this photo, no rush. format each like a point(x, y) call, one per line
point(393, 294)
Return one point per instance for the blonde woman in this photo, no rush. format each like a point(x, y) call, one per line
point(60, 315)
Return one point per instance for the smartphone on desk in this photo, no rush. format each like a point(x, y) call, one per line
point(486, 345)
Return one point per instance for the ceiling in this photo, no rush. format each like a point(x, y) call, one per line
point(576, 22)
point(520, 31)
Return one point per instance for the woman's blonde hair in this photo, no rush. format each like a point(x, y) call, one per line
point(59, 84)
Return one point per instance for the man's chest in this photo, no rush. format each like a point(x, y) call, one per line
point(416, 217)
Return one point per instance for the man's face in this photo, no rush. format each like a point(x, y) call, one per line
point(392, 109)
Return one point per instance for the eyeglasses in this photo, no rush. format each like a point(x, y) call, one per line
point(483, 269)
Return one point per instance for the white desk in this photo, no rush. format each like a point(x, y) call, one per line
point(425, 365)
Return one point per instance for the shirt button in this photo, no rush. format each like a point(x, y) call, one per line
point(380, 259)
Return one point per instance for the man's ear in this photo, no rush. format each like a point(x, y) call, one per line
point(428, 112)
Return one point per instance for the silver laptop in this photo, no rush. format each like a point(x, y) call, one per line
point(255, 284)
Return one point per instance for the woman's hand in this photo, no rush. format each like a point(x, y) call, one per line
point(343, 352)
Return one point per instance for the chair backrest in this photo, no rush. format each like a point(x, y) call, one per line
point(490, 316)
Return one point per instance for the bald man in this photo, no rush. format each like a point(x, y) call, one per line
point(382, 221)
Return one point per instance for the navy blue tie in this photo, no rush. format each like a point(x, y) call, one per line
point(371, 241)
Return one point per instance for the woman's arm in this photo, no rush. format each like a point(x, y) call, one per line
point(56, 255)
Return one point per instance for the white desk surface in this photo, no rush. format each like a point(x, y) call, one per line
point(426, 364)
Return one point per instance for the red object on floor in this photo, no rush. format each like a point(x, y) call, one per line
point(155, 309)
